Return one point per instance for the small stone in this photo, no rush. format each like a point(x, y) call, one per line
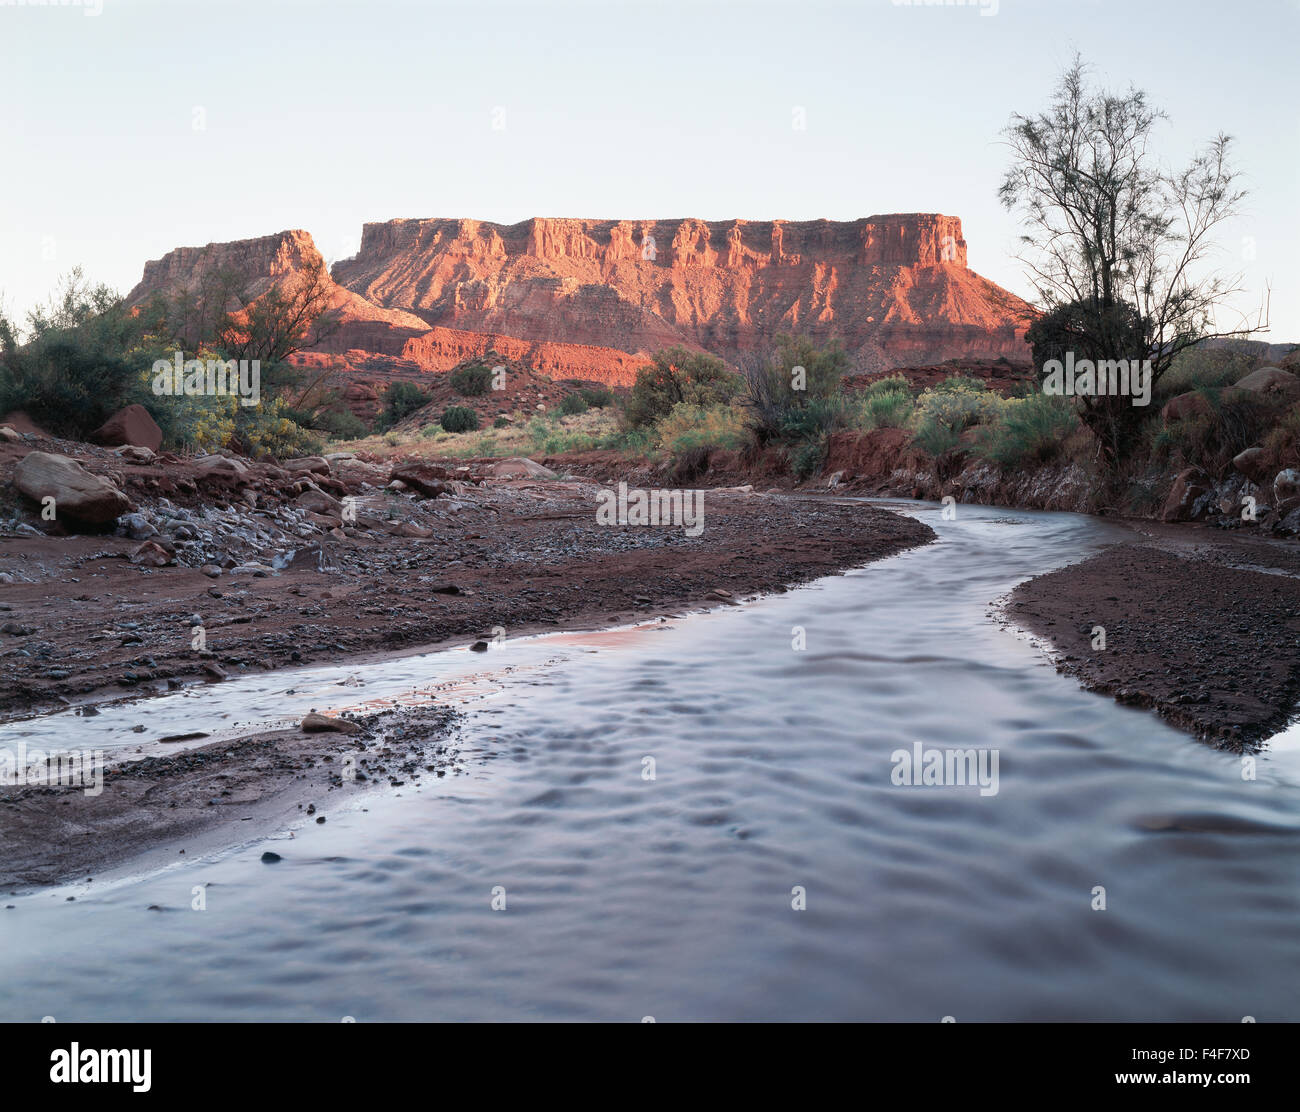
point(318, 723)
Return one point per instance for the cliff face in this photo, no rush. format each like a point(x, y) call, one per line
point(259, 261)
point(260, 264)
point(894, 289)
point(589, 298)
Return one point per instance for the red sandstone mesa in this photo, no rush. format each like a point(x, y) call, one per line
point(588, 298)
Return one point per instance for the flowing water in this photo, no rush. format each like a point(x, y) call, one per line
point(674, 897)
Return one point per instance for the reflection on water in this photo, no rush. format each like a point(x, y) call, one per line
point(672, 897)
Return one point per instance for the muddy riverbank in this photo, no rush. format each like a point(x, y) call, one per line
point(1201, 628)
point(82, 622)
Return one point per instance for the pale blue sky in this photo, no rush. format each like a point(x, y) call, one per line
point(323, 115)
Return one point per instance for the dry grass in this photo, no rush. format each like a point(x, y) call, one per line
point(525, 436)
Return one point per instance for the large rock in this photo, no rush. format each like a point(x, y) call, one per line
point(78, 495)
point(221, 469)
point(1267, 379)
point(135, 453)
point(316, 464)
point(317, 501)
point(520, 468)
point(1190, 404)
point(1251, 463)
point(1286, 484)
point(428, 479)
point(1189, 486)
point(131, 425)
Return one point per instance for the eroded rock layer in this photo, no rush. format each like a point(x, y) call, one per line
point(589, 298)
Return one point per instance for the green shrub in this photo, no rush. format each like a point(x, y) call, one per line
point(597, 397)
point(1283, 440)
point(572, 404)
point(459, 418)
point(1029, 430)
point(501, 422)
point(807, 457)
point(400, 400)
point(795, 392)
point(885, 384)
point(266, 431)
point(1234, 420)
point(1202, 366)
point(551, 440)
point(76, 364)
point(635, 442)
point(341, 424)
point(678, 374)
point(959, 384)
point(943, 414)
point(936, 439)
point(883, 409)
point(690, 426)
point(472, 381)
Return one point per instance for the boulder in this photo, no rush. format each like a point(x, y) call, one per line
point(1286, 484)
point(1265, 379)
point(410, 529)
point(1189, 486)
point(1288, 524)
point(221, 469)
point(78, 495)
point(1190, 404)
point(131, 425)
point(151, 555)
point(317, 464)
point(520, 468)
point(10, 434)
point(317, 501)
point(138, 527)
point(1251, 463)
point(135, 453)
point(308, 559)
point(427, 479)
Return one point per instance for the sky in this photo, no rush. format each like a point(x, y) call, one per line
point(130, 127)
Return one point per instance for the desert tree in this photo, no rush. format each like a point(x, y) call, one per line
point(292, 314)
point(1118, 247)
